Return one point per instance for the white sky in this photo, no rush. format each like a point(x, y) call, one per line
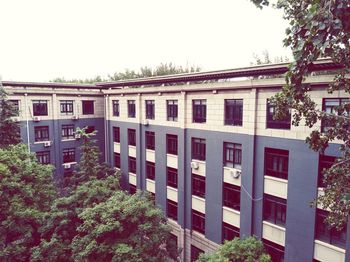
point(44, 39)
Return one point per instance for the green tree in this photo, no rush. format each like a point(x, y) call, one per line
point(123, 228)
point(9, 130)
point(320, 28)
point(238, 250)
point(26, 194)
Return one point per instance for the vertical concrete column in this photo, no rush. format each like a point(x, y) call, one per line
point(56, 133)
point(106, 125)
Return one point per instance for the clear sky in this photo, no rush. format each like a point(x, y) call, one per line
point(44, 39)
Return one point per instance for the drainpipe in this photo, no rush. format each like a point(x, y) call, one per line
point(184, 171)
point(106, 117)
point(27, 120)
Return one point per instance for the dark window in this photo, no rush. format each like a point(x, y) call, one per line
point(233, 112)
point(172, 177)
point(15, 107)
point(150, 140)
point(229, 232)
point(67, 131)
point(173, 241)
point(132, 164)
point(66, 107)
point(88, 107)
point(171, 106)
point(152, 197)
point(329, 235)
point(272, 123)
point(116, 134)
point(115, 105)
point(275, 210)
point(68, 155)
point(39, 108)
point(131, 108)
point(43, 157)
point(276, 163)
point(198, 149)
point(171, 144)
point(132, 189)
point(149, 109)
point(232, 155)
point(198, 185)
point(330, 105)
point(325, 162)
point(171, 209)
point(89, 129)
point(150, 170)
point(274, 250)
point(41, 133)
point(199, 111)
point(131, 137)
point(117, 160)
point(198, 221)
point(195, 252)
point(232, 196)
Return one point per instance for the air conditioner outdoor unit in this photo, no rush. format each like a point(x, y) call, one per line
point(47, 143)
point(77, 136)
point(235, 173)
point(36, 118)
point(194, 165)
point(145, 122)
point(75, 117)
point(15, 119)
point(66, 166)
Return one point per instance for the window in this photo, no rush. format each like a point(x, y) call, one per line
point(89, 129)
point(198, 221)
point(131, 137)
point(43, 157)
point(276, 163)
point(274, 250)
point(199, 111)
point(131, 108)
point(41, 133)
point(275, 210)
point(171, 209)
point(172, 177)
point(67, 131)
point(195, 252)
point(68, 155)
point(171, 107)
point(231, 196)
point(150, 140)
point(171, 144)
point(132, 189)
point(277, 124)
point(149, 109)
point(233, 112)
point(15, 106)
point(116, 134)
point(229, 232)
point(117, 160)
point(173, 242)
point(232, 155)
point(88, 107)
point(198, 149)
point(132, 164)
point(325, 162)
point(39, 107)
point(115, 106)
point(66, 107)
point(198, 185)
point(150, 170)
point(330, 105)
point(329, 235)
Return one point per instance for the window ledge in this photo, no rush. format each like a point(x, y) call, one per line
point(68, 139)
point(132, 146)
point(150, 150)
point(41, 142)
point(116, 143)
point(197, 234)
point(231, 210)
point(150, 180)
point(171, 155)
point(276, 179)
point(171, 188)
point(69, 163)
point(198, 161)
point(338, 249)
point(198, 198)
point(274, 225)
point(229, 168)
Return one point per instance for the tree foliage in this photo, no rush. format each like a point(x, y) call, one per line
point(26, 194)
point(320, 28)
point(238, 250)
point(9, 130)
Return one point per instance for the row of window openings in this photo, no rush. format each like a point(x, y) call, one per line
point(41, 133)
point(68, 156)
point(40, 107)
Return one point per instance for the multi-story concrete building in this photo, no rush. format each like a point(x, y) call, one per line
point(206, 145)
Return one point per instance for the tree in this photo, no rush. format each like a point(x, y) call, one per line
point(320, 28)
point(238, 250)
point(9, 130)
point(26, 194)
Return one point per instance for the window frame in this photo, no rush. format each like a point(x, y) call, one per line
point(231, 196)
point(275, 251)
point(66, 107)
point(229, 232)
point(116, 134)
point(15, 103)
point(117, 162)
point(324, 163)
point(198, 185)
point(131, 137)
point(199, 111)
point(198, 149)
point(281, 157)
point(150, 140)
point(274, 123)
point(88, 107)
point(150, 170)
point(232, 155)
point(172, 144)
point(131, 108)
point(172, 177)
point(43, 157)
point(132, 164)
point(278, 210)
point(333, 108)
point(172, 110)
point(67, 132)
point(68, 155)
point(41, 133)
point(40, 107)
point(132, 189)
point(198, 221)
point(233, 112)
point(150, 109)
point(115, 108)
point(172, 209)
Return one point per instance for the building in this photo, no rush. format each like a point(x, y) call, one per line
point(206, 145)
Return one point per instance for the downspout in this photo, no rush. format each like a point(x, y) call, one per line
point(185, 168)
point(252, 229)
point(106, 107)
point(27, 120)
